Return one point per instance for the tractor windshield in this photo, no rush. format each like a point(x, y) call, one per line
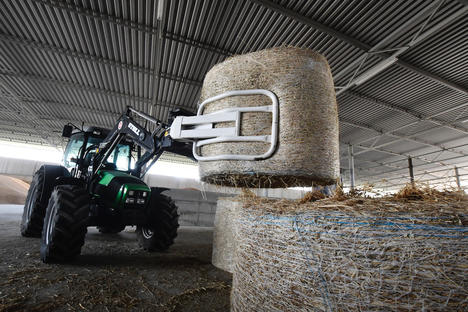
point(120, 159)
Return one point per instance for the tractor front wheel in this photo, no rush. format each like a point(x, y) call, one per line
point(65, 224)
point(159, 235)
point(33, 213)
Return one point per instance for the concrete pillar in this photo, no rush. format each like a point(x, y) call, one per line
point(351, 166)
point(457, 178)
point(410, 167)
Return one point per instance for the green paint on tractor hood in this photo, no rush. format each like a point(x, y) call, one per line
point(108, 175)
point(138, 185)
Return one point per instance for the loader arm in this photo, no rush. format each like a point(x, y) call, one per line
point(127, 127)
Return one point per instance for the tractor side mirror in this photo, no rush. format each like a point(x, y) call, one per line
point(67, 131)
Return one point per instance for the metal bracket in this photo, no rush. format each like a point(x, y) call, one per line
point(199, 129)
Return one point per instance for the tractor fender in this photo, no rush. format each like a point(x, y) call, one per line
point(51, 172)
point(68, 181)
point(158, 190)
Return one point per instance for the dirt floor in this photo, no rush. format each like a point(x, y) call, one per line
point(112, 274)
point(12, 190)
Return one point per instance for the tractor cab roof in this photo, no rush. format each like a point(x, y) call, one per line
point(95, 131)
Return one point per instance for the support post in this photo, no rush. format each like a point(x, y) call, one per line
point(457, 178)
point(351, 166)
point(410, 167)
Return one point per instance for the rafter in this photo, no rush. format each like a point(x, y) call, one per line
point(371, 128)
point(407, 111)
point(93, 58)
point(56, 104)
point(77, 86)
point(26, 106)
point(387, 173)
point(364, 46)
point(132, 25)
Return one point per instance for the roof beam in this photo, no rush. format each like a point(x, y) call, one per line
point(414, 166)
point(415, 122)
point(77, 86)
point(269, 4)
point(312, 23)
point(54, 104)
point(132, 25)
point(428, 173)
point(6, 134)
point(26, 106)
point(401, 137)
point(408, 137)
point(407, 111)
point(44, 118)
point(96, 59)
point(7, 128)
point(367, 48)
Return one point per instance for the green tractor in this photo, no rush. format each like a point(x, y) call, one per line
point(100, 184)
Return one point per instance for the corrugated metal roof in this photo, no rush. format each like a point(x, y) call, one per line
point(82, 60)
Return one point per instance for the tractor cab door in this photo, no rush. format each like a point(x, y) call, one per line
point(72, 150)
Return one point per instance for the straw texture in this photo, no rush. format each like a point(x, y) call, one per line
point(351, 255)
point(308, 151)
point(224, 243)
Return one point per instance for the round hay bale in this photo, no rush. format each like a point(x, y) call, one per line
point(224, 242)
point(363, 255)
point(308, 147)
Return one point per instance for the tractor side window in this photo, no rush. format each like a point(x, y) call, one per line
point(73, 147)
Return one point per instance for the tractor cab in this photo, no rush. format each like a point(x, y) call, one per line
point(83, 145)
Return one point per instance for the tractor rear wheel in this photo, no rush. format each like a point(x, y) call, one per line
point(38, 196)
point(34, 210)
point(159, 235)
point(65, 224)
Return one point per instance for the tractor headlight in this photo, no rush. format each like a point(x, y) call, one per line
point(136, 197)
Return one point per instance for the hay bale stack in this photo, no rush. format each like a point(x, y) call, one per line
point(308, 151)
point(224, 242)
point(360, 255)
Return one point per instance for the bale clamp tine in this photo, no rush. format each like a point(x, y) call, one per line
point(200, 129)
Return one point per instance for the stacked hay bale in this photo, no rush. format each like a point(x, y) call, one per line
point(355, 255)
point(224, 242)
point(308, 151)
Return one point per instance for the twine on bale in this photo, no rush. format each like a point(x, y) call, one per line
point(308, 151)
point(351, 255)
point(308, 249)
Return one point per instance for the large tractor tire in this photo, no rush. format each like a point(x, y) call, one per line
point(37, 199)
point(164, 222)
point(111, 229)
point(65, 224)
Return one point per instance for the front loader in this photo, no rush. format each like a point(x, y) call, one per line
point(100, 183)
